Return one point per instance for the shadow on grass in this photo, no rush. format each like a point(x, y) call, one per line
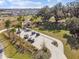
point(1, 40)
point(51, 26)
point(14, 54)
point(11, 56)
point(72, 41)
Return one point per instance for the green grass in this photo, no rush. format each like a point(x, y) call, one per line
point(10, 50)
point(22, 56)
point(71, 54)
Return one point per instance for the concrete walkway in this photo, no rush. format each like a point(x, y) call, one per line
point(56, 52)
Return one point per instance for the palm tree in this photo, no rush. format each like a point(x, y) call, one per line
point(19, 26)
point(7, 25)
point(23, 19)
point(13, 30)
point(13, 39)
point(20, 20)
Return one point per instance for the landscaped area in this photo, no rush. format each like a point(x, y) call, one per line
point(71, 54)
point(25, 50)
point(11, 51)
point(59, 34)
point(43, 31)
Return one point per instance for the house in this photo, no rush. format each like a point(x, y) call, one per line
point(27, 23)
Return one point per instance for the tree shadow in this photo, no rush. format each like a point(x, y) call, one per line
point(1, 40)
point(72, 41)
point(51, 26)
point(14, 54)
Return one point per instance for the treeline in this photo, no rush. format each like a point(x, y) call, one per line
point(60, 11)
point(69, 13)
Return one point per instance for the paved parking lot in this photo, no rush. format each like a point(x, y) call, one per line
point(57, 52)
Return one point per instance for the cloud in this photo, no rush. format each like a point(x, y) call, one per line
point(59, 0)
point(49, 0)
point(25, 4)
point(55, 0)
point(28, 3)
point(20, 4)
point(2, 1)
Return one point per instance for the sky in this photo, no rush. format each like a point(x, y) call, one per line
point(30, 3)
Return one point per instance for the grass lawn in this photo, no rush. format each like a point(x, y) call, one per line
point(71, 54)
point(10, 50)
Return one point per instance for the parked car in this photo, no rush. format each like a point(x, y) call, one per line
point(18, 32)
point(24, 28)
point(32, 33)
point(37, 34)
point(26, 36)
point(55, 43)
point(31, 40)
point(1, 50)
point(27, 30)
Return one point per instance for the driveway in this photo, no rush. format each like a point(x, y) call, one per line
point(56, 52)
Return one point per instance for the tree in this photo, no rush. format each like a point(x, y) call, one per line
point(19, 26)
point(13, 30)
point(72, 25)
point(58, 12)
point(73, 8)
point(7, 25)
point(44, 13)
point(20, 20)
point(44, 48)
point(43, 53)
